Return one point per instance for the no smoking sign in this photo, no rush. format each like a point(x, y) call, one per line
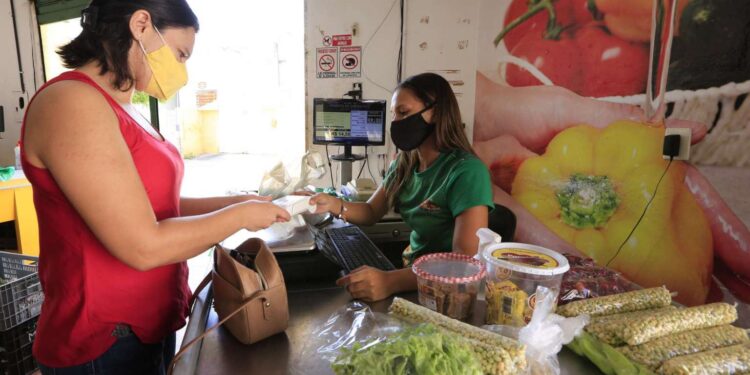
point(327, 62)
point(339, 62)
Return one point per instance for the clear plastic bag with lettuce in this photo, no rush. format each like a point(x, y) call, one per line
point(356, 340)
point(421, 349)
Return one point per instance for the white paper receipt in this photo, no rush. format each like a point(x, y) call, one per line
point(295, 204)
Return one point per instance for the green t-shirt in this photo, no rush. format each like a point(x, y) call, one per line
point(431, 200)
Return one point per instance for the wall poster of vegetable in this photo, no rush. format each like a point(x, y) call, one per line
point(559, 120)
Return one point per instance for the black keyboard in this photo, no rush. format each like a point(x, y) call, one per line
point(353, 249)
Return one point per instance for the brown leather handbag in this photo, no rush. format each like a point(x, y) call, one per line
point(249, 293)
point(253, 299)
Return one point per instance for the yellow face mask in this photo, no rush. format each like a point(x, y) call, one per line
point(168, 75)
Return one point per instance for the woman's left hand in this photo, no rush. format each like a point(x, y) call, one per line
point(366, 283)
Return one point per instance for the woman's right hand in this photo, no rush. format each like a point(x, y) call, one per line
point(260, 215)
point(326, 203)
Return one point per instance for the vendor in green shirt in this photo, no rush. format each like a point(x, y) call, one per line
point(437, 184)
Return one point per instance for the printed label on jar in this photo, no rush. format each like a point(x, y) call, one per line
point(530, 304)
point(427, 297)
point(532, 301)
point(429, 303)
point(525, 257)
point(503, 273)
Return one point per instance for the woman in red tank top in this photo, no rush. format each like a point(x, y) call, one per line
point(114, 231)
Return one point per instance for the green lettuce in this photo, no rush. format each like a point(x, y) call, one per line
point(422, 350)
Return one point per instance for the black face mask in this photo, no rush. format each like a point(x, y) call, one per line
point(409, 132)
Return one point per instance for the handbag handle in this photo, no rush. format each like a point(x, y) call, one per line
point(253, 297)
point(198, 290)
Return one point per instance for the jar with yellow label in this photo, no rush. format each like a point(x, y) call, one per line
point(514, 271)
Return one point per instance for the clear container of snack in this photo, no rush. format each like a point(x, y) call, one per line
point(448, 283)
point(514, 271)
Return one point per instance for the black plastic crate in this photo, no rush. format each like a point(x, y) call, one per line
point(21, 294)
point(19, 336)
point(17, 362)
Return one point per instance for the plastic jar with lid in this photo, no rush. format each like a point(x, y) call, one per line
point(449, 283)
point(514, 271)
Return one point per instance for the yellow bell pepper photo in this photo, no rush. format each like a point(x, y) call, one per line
point(592, 187)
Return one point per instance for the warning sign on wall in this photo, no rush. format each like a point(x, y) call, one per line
point(350, 59)
point(327, 59)
point(342, 40)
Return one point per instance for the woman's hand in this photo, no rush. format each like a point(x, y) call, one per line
point(261, 215)
point(367, 283)
point(326, 203)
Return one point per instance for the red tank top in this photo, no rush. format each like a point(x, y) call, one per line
point(87, 291)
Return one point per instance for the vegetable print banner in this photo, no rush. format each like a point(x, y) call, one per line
point(559, 121)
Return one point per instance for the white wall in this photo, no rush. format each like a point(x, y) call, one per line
point(439, 36)
point(10, 83)
point(360, 18)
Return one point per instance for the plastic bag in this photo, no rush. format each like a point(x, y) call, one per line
point(545, 334)
point(277, 182)
point(728, 360)
point(653, 353)
point(355, 323)
point(354, 340)
point(587, 280)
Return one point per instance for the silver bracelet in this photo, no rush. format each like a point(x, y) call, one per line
point(342, 211)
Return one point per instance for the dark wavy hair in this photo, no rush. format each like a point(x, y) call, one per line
point(106, 36)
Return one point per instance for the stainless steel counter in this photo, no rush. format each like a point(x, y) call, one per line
point(312, 299)
point(292, 352)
